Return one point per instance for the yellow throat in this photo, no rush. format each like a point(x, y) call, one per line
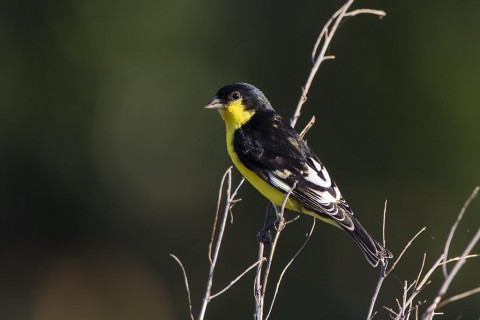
point(235, 114)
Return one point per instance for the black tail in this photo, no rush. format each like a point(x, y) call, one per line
point(373, 251)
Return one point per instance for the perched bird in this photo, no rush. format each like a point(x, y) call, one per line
point(273, 157)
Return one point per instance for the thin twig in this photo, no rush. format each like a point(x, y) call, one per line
point(229, 198)
point(186, 285)
point(215, 220)
point(260, 288)
point(384, 273)
point(455, 225)
point(236, 279)
point(406, 308)
point(404, 298)
point(291, 220)
point(281, 225)
point(421, 268)
point(325, 37)
point(384, 223)
point(287, 266)
point(398, 304)
point(405, 249)
point(308, 127)
point(460, 257)
point(257, 288)
point(391, 311)
point(425, 280)
point(443, 289)
point(379, 13)
point(381, 277)
point(383, 268)
point(458, 297)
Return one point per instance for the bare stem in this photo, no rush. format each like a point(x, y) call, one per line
point(428, 315)
point(405, 249)
point(379, 13)
point(454, 227)
point(308, 127)
point(384, 223)
point(236, 279)
point(186, 285)
point(458, 297)
point(421, 268)
point(281, 225)
point(257, 288)
point(287, 266)
point(381, 277)
point(383, 268)
point(405, 308)
point(217, 211)
point(227, 177)
point(325, 37)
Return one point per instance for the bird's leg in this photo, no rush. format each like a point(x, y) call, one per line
point(264, 235)
point(280, 221)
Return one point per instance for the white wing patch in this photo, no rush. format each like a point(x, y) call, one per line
point(325, 197)
point(283, 174)
point(338, 195)
point(277, 182)
point(312, 176)
point(320, 168)
point(317, 165)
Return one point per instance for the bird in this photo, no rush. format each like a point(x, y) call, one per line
point(273, 157)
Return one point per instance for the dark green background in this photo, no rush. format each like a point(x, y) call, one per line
point(108, 162)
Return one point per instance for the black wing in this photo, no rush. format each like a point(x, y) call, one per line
point(268, 146)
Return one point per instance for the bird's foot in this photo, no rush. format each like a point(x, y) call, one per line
point(264, 236)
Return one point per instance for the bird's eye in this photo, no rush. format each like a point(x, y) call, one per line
point(235, 95)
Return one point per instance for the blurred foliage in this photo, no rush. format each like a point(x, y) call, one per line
point(108, 161)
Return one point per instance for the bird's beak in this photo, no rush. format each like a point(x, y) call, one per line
point(215, 103)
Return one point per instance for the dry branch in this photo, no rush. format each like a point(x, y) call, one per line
point(324, 39)
point(185, 278)
point(458, 297)
point(287, 266)
point(454, 227)
point(404, 250)
point(236, 279)
point(262, 285)
point(428, 315)
point(213, 260)
point(410, 293)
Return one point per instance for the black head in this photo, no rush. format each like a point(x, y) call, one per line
point(251, 97)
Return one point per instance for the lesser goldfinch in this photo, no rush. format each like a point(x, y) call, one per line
point(273, 157)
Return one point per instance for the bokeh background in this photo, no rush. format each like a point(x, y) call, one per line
point(108, 162)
